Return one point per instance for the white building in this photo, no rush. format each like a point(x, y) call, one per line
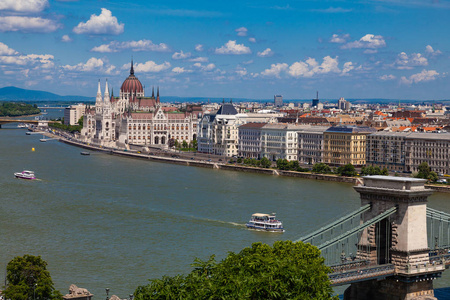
point(218, 133)
point(310, 144)
point(279, 141)
point(73, 113)
point(133, 119)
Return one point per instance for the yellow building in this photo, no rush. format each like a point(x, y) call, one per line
point(345, 145)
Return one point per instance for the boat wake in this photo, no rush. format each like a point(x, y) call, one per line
point(218, 221)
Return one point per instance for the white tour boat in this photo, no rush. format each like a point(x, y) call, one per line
point(265, 222)
point(25, 175)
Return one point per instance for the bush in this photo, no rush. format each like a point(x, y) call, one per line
point(321, 168)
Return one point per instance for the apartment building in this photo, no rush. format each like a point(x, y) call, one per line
point(345, 145)
point(310, 144)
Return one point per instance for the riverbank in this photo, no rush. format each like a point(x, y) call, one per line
point(221, 165)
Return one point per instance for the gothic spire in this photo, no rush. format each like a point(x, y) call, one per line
point(153, 92)
point(131, 70)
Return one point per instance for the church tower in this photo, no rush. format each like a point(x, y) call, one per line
point(98, 101)
point(107, 116)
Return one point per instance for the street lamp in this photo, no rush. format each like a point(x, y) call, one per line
point(107, 293)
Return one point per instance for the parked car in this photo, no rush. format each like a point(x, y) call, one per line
point(442, 181)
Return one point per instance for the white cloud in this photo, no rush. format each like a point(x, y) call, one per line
point(419, 77)
point(232, 48)
point(207, 68)
point(5, 50)
point(311, 67)
point(369, 41)
point(43, 60)
point(141, 45)
point(65, 38)
point(151, 66)
point(27, 6)
point(241, 72)
point(340, 39)
point(430, 51)
point(181, 55)
point(266, 53)
point(252, 40)
point(348, 66)
point(179, 70)
point(104, 23)
point(275, 70)
point(404, 61)
point(199, 47)
point(248, 62)
point(27, 24)
point(387, 77)
point(242, 31)
point(198, 59)
point(332, 10)
point(93, 64)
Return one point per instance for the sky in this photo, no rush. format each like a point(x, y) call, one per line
point(394, 49)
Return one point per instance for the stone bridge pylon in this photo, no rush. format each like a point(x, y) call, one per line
point(400, 239)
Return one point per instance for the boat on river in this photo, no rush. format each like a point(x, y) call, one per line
point(25, 174)
point(265, 222)
point(22, 125)
point(85, 153)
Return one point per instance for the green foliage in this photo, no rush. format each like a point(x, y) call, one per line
point(69, 128)
point(321, 168)
point(285, 271)
point(371, 170)
point(28, 278)
point(426, 173)
point(194, 144)
point(347, 170)
point(11, 109)
point(239, 160)
point(282, 164)
point(265, 162)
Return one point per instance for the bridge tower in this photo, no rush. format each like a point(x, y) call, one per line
point(400, 239)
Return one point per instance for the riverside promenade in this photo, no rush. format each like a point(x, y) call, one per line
point(202, 161)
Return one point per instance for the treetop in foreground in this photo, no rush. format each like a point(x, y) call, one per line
point(286, 270)
point(28, 278)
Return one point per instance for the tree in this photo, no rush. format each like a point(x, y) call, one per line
point(321, 168)
point(347, 170)
point(184, 144)
point(265, 162)
point(28, 278)
point(285, 271)
point(426, 173)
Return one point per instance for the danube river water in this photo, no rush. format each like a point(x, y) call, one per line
point(103, 221)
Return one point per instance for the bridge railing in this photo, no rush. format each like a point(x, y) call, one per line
point(371, 272)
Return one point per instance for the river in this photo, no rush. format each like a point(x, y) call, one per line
point(103, 221)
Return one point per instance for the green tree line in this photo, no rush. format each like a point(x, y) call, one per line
point(12, 109)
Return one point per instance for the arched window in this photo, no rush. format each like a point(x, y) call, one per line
point(156, 140)
point(163, 140)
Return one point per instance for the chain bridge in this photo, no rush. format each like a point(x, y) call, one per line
point(392, 247)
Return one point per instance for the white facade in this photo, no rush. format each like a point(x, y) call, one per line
point(310, 144)
point(73, 113)
point(133, 119)
point(279, 141)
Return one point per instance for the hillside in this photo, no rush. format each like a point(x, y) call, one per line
point(12, 93)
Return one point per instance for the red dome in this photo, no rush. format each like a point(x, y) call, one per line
point(132, 85)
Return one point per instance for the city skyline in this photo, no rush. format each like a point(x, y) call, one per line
point(353, 49)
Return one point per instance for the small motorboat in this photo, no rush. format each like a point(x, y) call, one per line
point(25, 174)
point(85, 153)
point(265, 222)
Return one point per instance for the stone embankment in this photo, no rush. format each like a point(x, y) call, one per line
point(224, 166)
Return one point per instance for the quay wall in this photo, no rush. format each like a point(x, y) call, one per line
point(240, 168)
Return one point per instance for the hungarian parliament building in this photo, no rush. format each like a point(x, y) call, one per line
point(133, 119)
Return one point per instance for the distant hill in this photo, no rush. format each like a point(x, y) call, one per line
point(11, 93)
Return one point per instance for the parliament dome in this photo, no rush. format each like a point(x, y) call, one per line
point(132, 84)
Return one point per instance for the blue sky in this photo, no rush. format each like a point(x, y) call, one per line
point(396, 49)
